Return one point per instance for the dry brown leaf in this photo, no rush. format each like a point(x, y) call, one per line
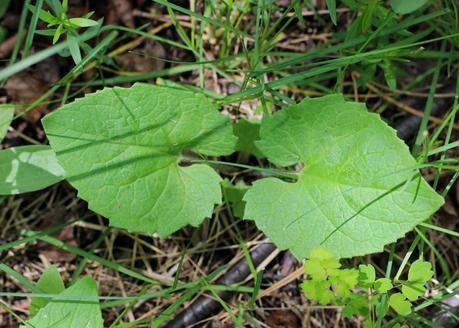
point(24, 88)
point(282, 319)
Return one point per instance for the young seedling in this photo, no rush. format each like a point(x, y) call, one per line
point(60, 24)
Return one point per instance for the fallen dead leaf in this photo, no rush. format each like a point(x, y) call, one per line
point(282, 319)
point(24, 88)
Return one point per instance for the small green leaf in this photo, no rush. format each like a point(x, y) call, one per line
point(389, 74)
point(399, 303)
point(74, 49)
point(355, 193)
point(320, 261)
point(367, 275)
point(89, 14)
point(382, 285)
point(420, 272)
point(6, 116)
point(368, 14)
point(413, 290)
point(83, 22)
point(247, 132)
point(331, 5)
point(65, 5)
point(28, 168)
point(56, 6)
point(122, 150)
point(343, 280)
point(48, 32)
point(77, 306)
point(314, 268)
point(325, 257)
point(233, 195)
point(407, 6)
point(45, 16)
point(298, 7)
point(355, 304)
point(318, 291)
point(57, 33)
point(50, 282)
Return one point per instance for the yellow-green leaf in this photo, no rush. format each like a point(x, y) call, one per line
point(356, 192)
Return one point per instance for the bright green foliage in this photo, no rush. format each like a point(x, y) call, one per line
point(60, 24)
point(420, 272)
point(50, 282)
point(233, 195)
point(77, 306)
point(331, 5)
point(121, 150)
point(400, 304)
point(367, 275)
point(320, 262)
point(28, 168)
point(247, 132)
point(383, 285)
point(360, 292)
point(356, 304)
point(355, 193)
point(318, 290)
point(407, 6)
point(343, 280)
point(324, 271)
point(6, 115)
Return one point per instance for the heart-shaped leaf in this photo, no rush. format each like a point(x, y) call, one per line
point(77, 306)
point(121, 148)
point(356, 192)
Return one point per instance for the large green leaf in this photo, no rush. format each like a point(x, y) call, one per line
point(354, 194)
point(121, 149)
point(50, 282)
point(28, 168)
point(77, 306)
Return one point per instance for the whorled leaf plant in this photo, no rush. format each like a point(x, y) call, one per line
point(358, 190)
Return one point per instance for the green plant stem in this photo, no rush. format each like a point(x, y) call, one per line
point(280, 173)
